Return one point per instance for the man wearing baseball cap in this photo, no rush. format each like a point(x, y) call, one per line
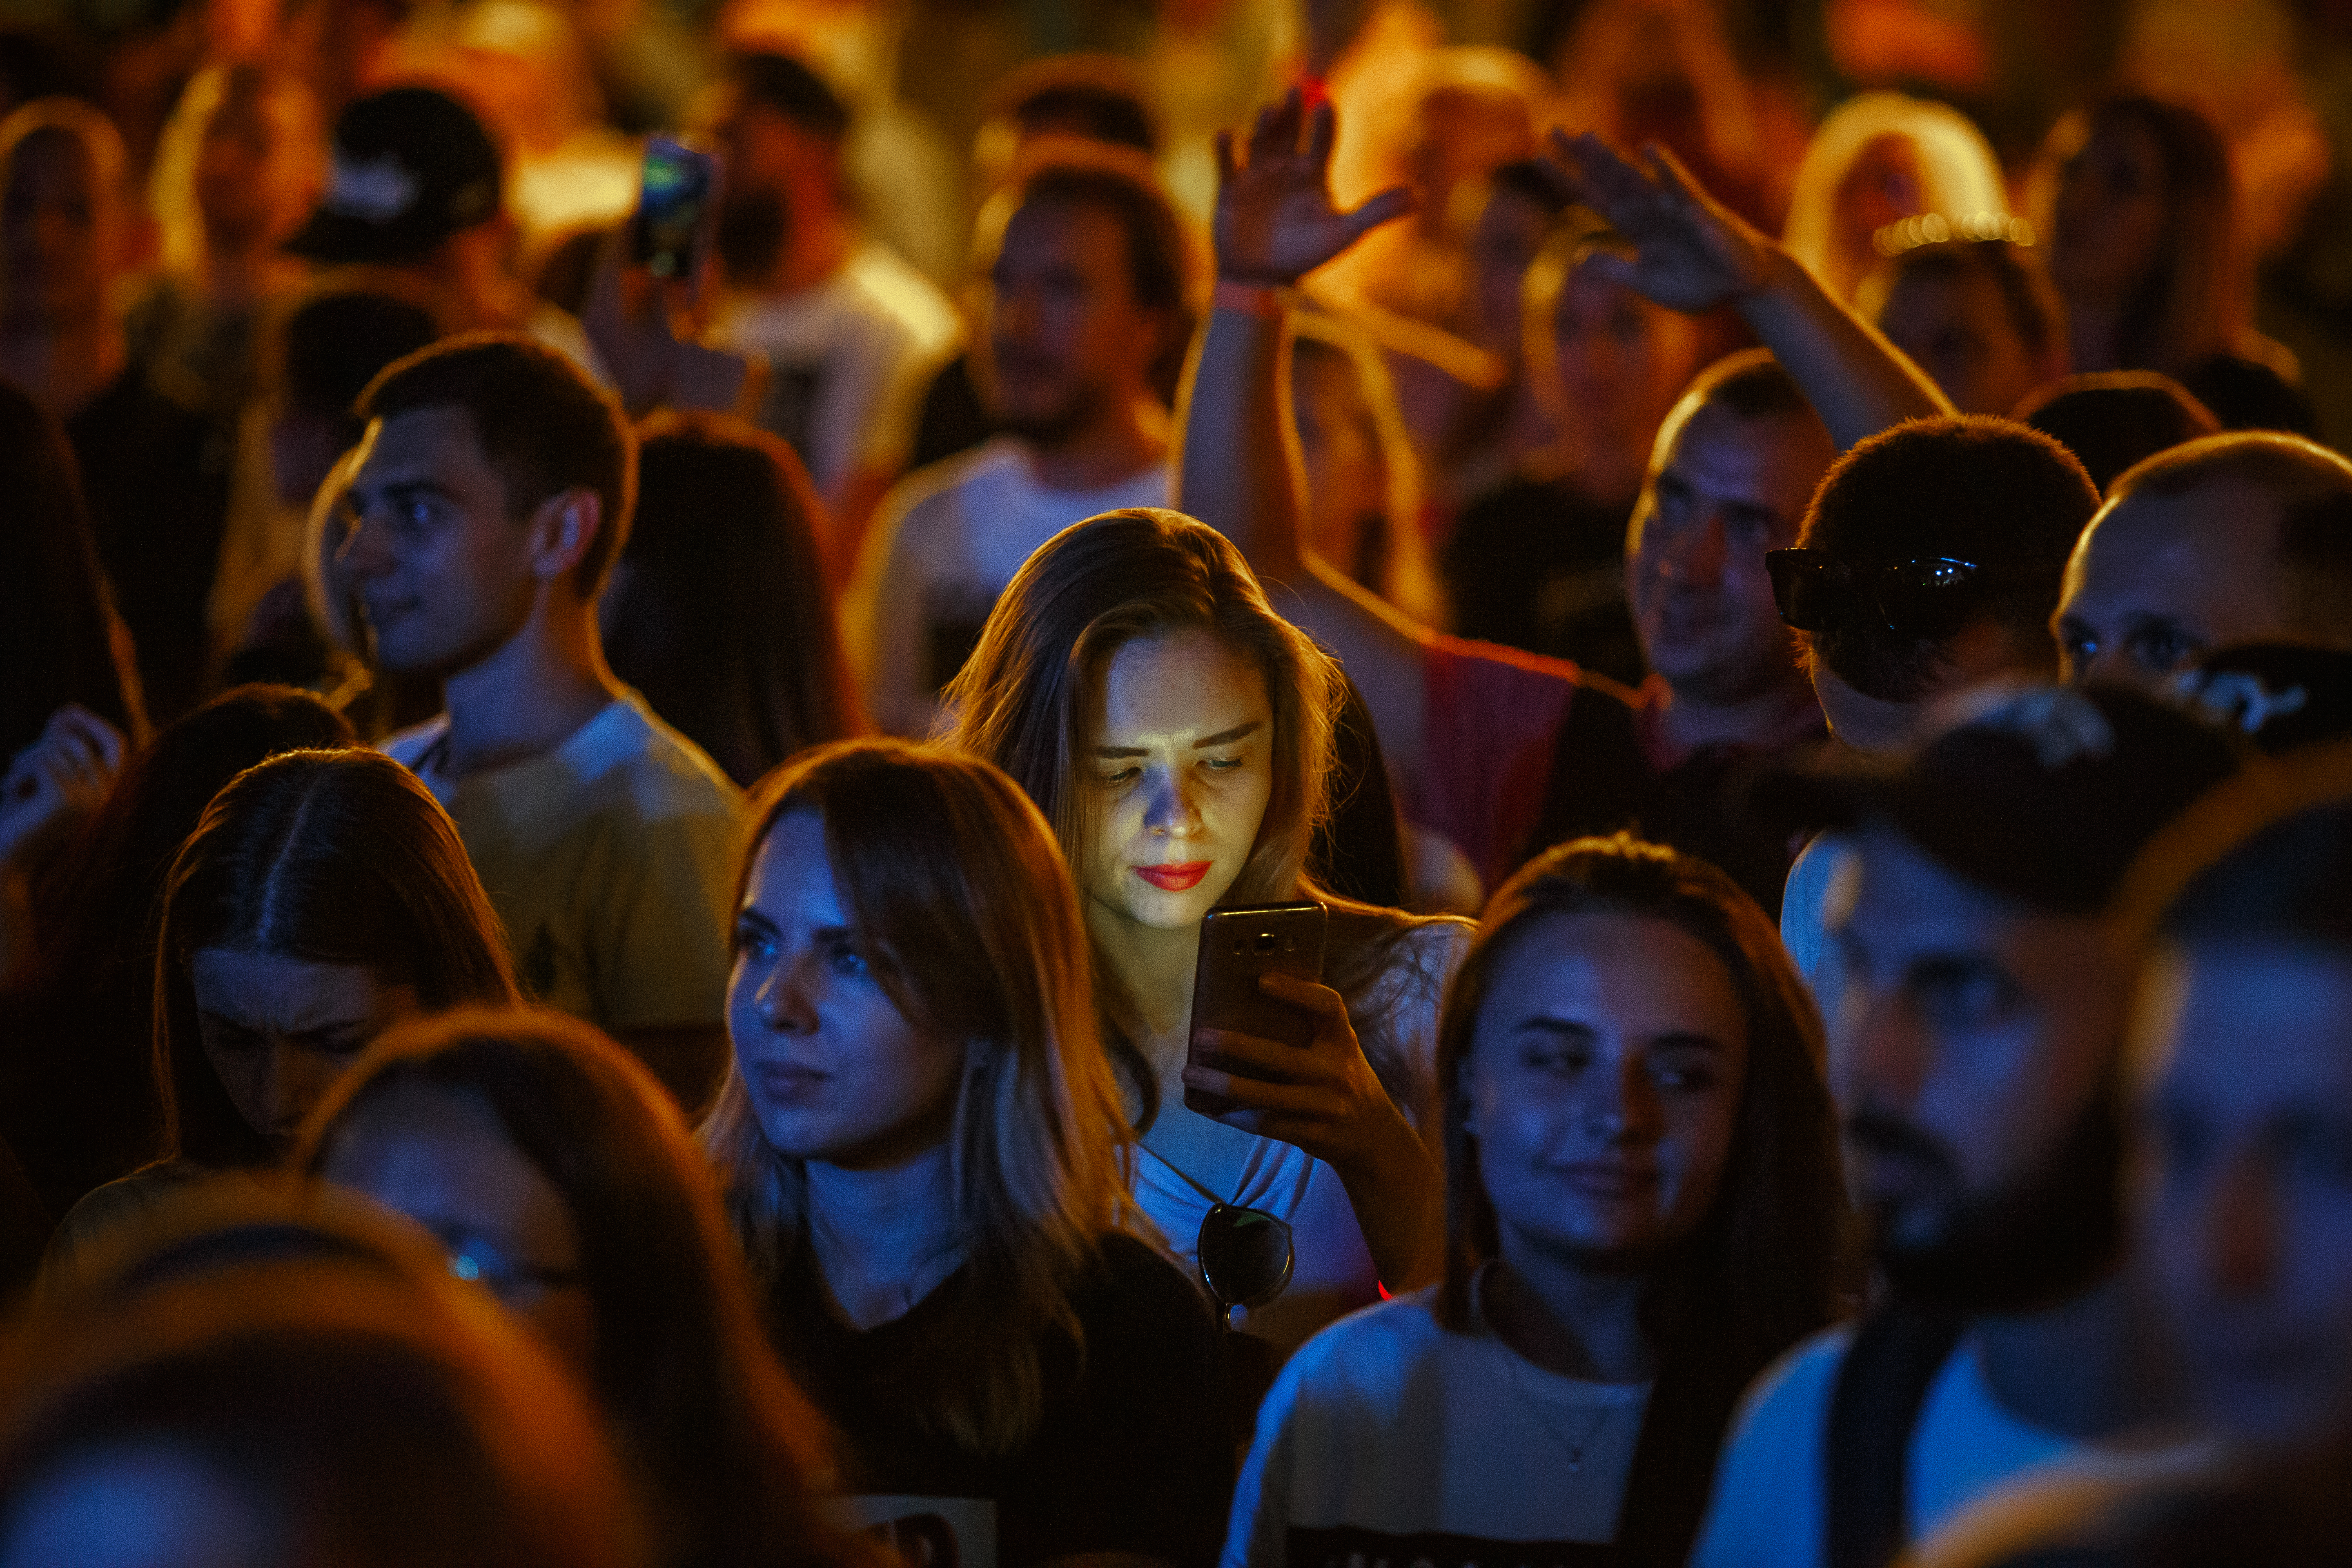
point(1973, 1053)
point(416, 185)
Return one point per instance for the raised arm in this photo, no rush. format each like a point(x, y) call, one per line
point(1690, 252)
point(1239, 468)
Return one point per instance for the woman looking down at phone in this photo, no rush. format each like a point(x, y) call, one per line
point(1643, 1201)
point(920, 1143)
point(1177, 734)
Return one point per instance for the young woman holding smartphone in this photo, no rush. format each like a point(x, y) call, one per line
point(1178, 734)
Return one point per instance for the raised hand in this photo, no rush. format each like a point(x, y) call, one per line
point(63, 774)
point(1274, 219)
point(1690, 251)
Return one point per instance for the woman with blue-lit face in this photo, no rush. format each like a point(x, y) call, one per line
point(1643, 1208)
point(834, 1070)
point(1603, 1084)
point(920, 1139)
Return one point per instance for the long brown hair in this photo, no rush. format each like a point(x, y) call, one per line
point(1027, 699)
point(2189, 305)
point(720, 615)
point(682, 1366)
point(964, 910)
point(331, 857)
point(1760, 1270)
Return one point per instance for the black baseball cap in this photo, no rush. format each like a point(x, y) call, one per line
point(411, 167)
point(2041, 794)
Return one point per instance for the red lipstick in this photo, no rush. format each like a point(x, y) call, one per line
point(1175, 878)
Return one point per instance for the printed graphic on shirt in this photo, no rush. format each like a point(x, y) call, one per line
point(1345, 1546)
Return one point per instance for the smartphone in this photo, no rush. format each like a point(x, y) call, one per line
point(676, 204)
point(1237, 946)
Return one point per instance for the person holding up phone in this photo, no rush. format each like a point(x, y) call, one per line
point(1178, 734)
point(920, 1144)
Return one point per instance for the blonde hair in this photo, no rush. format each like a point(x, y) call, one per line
point(963, 908)
point(1959, 176)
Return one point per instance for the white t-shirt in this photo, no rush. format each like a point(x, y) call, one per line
point(1818, 884)
point(1333, 1273)
point(847, 359)
point(945, 544)
point(1389, 1437)
point(1770, 1502)
point(611, 861)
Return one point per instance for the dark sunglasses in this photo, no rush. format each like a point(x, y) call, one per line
point(1246, 1255)
point(1929, 597)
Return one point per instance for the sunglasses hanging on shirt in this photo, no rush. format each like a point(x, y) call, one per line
point(1931, 596)
point(1245, 1255)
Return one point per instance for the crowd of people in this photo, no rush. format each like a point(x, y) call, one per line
point(619, 831)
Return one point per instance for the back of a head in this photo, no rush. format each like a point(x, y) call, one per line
point(339, 338)
point(1096, 98)
point(55, 639)
point(681, 1366)
point(2310, 488)
point(788, 87)
point(296, 1413)
point(721, 616)
point(2028, 299)
point(328, 857)
point(541, 423)
point(1990, 492)
point(157, 801)
point(2112, 420)
point(1023, 700)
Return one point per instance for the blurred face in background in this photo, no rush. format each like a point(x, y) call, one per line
point(258, 165)
point(2109, 225)
point(1067, 339)
point(439, 1154)
point(1967, 1054)
point(1618, 363)
point(1728, 489)
point(1959, 327)
point(58, 233)
point(2244, 1216)
point(1603, 1083)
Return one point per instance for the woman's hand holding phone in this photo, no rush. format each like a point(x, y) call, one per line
point(1323, 1098)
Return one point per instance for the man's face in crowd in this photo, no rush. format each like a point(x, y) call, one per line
point(1728, 489)
point(446, 575)
point(2157, 582)
point(1066, 336)
point(57, 234)
point(1958, 327)
point(2245, 1213)
point(772, 167)
point(1967, 1054)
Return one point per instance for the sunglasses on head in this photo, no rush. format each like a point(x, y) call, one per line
point(1928, 597)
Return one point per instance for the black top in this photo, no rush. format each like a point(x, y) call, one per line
point(1536, 564)
point(156, 476)
point(1132, 1454)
